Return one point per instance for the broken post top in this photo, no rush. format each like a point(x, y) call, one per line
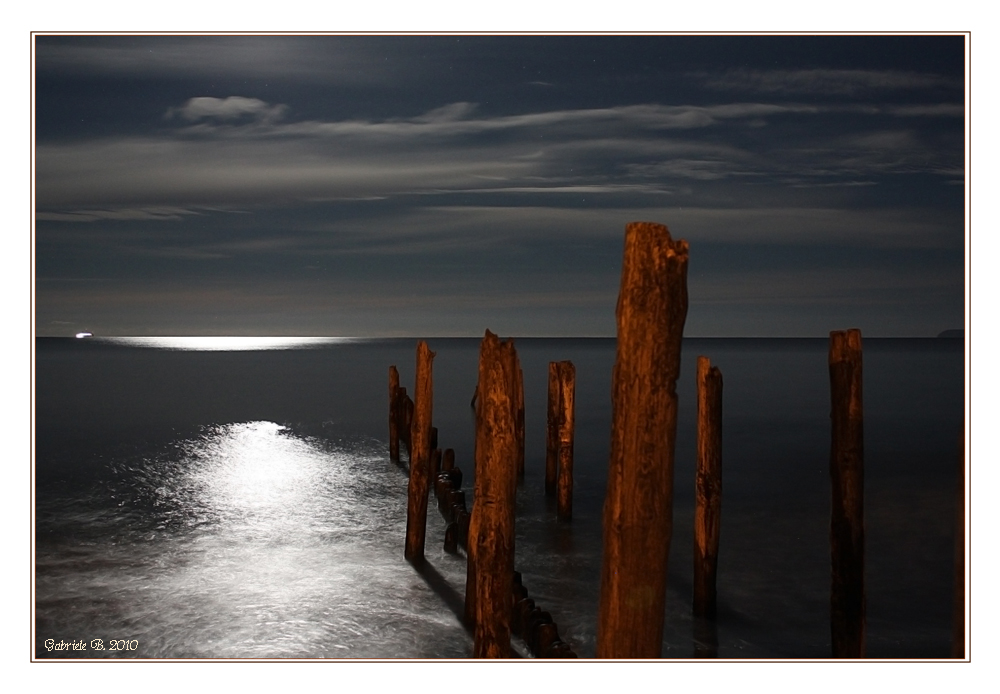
point(653, 295)
point(498, 369)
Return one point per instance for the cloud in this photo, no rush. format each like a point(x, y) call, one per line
point(236, 152)
point(485, 227)
point(447, 114)
point(117, 214)
point(823, 81)
point(230, 108)
point(331, 60)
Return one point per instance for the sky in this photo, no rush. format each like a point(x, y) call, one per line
point(442, 185)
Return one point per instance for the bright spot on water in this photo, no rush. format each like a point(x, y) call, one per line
point(227, 344)
point(249, 542)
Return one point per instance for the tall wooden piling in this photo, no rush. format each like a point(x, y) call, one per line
point(564, 477)
point(490, 543)
point(708, 488)
point(393, 414)
point(847, 476)
point(416, 510)
point(552, 431)
point(638, 508)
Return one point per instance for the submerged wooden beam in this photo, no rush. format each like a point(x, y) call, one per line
point(567, 414)
point(552, 431)
point(416, 510)
point(393, 414)
point(708, 488)
point(847, 481)
point(638, 508)
point(490, 543)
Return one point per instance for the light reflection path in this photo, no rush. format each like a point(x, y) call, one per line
point(226, 343)
point(255, 543)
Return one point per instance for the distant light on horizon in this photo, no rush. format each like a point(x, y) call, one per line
point(228, 343)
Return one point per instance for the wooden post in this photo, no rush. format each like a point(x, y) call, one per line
point(490, 542)
point(638, 508)
point(393, 414)
point(708, 488)
point(847, 477)
point(552, 432)
point(404, 414)
point(958, 611)
point(416, 510)
point(435, 466)
point(564, 477)
point(519, 423)
point(448, 462)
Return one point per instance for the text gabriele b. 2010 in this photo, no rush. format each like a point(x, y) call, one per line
point(93, 645)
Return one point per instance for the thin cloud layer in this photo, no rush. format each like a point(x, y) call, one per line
point(825, 81)
point(238, 151)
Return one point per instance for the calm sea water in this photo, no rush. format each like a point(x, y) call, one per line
point(235, 499)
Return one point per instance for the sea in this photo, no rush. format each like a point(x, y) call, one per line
point(221, 498)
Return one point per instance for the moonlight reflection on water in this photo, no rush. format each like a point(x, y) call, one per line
point(252, 542)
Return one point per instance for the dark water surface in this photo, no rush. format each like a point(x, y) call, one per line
point(203, 502)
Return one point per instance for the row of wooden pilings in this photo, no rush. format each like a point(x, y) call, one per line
point(651, 311)
point(496, 603)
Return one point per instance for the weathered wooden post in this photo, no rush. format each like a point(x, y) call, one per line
point(552, 432)
point(564, 477)
point(708, 488)
point(638, 509)
point(435, 466)
point(958, 608)
point(490, 542)
point(448, 461)
point(393, 414)
point(416, 510)
point(847, 478)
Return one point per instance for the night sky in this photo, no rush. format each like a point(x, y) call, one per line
point(442, 185)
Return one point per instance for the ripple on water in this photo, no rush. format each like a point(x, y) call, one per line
point(248, 541)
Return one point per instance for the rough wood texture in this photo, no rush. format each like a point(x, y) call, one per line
point(552, 431)
point(708, 488)
point(958, 616)
point(638, 508)
point(490, 542)
point(847, 477)
point(393, 414)
point(416, 510)
point(564, 477)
